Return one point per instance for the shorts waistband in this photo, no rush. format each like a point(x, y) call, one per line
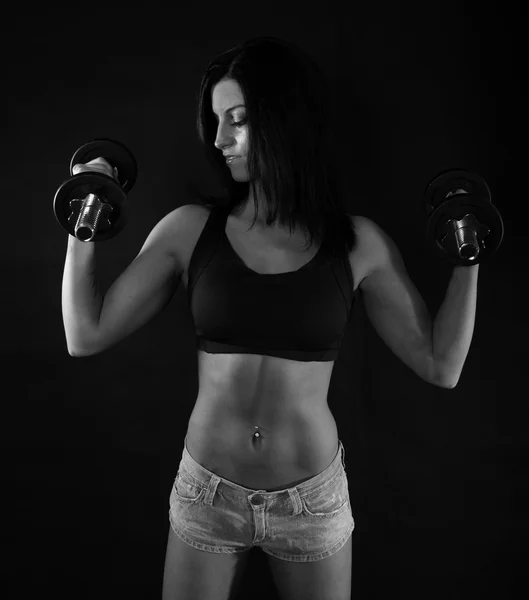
point(201, 474)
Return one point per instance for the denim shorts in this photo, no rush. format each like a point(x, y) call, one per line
point(304, 523)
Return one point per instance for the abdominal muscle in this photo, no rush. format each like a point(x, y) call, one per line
point(285, 399)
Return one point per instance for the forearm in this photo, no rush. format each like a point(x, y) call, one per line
point(81, 299)
point(453, 325)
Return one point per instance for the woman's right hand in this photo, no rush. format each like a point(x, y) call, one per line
point(99, 165)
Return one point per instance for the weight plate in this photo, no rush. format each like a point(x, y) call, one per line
point(451, 180)
point(456, 208)
point(115, 153)
point(77, 188)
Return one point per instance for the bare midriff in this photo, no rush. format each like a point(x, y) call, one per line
point(262, 422)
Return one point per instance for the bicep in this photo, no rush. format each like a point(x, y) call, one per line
point(395, 307)
point(144, 289)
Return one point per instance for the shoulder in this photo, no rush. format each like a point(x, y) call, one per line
point(364, 225)
point(182, 227)
point(369, 234)
point(374, 246)
point(195, 216)
point(372, 235)
point(189, 216)
point(195, 211)
point(183, 218)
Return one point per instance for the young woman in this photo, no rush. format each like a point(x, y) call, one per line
point(271, 270)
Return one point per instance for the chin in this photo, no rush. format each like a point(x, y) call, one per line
point(240, 177)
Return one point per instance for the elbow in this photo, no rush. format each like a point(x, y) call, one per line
point(75, 353)
point(442, 380)
point(448, 381)
point(73, 349)
point(79, 351)
point(450, 385)
point(439, 377)
point(80, 346)
point(445, 385)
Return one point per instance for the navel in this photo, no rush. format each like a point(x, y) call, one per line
point(257, 437)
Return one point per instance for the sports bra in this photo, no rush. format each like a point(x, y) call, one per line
point(300, 315)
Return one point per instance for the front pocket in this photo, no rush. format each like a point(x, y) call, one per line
point(329, 502)
point(185, 490)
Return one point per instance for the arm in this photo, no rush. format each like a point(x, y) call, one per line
point(454, 324)
point(436, 351)
point(393, 304)
point(81, 299)
point(93, 321)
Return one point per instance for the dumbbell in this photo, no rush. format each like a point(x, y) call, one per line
point(463, 225)
point(92, 206)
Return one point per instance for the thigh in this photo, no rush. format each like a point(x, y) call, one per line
point(190, 573)
point(326, 579)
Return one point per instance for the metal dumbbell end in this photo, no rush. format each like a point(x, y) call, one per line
point(92, 206)
point(463, 226)
point(465, 234)
point(91, 212)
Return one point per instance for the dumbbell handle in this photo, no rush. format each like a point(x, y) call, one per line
point(90, 213)
point(92, 208)
point(465, 231)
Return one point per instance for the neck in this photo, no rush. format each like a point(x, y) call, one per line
point(247, 213)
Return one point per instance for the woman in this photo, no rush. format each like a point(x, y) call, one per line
point(270, 274)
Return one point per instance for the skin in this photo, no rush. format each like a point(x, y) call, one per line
point(232, 138)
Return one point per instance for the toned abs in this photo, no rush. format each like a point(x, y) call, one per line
point(260, 421)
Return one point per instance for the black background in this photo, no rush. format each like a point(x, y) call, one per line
point(437, 478)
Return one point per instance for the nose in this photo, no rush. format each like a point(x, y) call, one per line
point(223, 140)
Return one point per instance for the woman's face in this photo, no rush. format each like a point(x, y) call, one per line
point(232, 131)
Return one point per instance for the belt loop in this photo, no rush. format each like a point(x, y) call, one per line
point(295, 499)
point(211, 489)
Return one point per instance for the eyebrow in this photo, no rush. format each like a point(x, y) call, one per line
point(228, 110)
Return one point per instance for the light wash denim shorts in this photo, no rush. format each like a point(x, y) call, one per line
point(304, 523)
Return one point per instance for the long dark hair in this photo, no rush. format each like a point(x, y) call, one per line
point(291, 151)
